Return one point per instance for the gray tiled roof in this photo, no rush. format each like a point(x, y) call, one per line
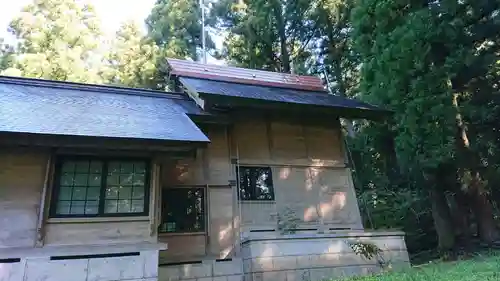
point(273, 94)
point(59, 108)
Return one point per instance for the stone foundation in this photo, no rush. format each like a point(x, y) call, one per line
point(270, 257)
point(314, 257)
point(79, 264)
point(207, 270)
point(297, 257)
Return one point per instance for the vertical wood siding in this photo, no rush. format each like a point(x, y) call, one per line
point(211, 169)
point(309, 174)
point(22, 174)
point(90, 233)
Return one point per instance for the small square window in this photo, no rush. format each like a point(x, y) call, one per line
point(82, 166)
point(111, 206)
point(77, 207)
point(63, 207)
point(138, 193)
point(93, 193)
point(94, 180)
point(92, 207)
point(183, 210)
point(255, 183)
point(65, 193)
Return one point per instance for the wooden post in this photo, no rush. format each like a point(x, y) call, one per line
point(158, 201)
point(269, 122)
point(207, 224)
point(235, 156)
point(153, 200)
point(40, 226)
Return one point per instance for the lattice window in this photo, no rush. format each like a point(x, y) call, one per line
point(183, 210)
point(100, 187)
point(255, 183)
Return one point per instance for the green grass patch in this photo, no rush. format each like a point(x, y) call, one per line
point(481, 268)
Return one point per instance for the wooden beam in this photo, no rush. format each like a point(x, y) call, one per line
point(270, 138)
point(81, 142)
point(43, 207)
point(153, 199)
point(195, 96)
point(207, 220)
point(158, 210)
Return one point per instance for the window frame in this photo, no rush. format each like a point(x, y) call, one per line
point(254, 193)
point(56, 185)
point(204, 210)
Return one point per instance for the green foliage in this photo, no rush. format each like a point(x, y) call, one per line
point(478, 269)
point(434, 63)
point(333, 51)
point(287, 221)
point(271, 35)
point(58, 39)
point(416, 60)
point(7, 55)
point(133, 60)
point(175, 26)
point(389, 197)
point(367, 250)
point(398, 72)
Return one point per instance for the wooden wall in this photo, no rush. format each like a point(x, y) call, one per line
point(22, 177)
point(321, 197)
point(91, 232)
point(106, 230)
point(309, 176)
point(212, 170)
point(262, 141)
point(309, 173)
point(22, 174)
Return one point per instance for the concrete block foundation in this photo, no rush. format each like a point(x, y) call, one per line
point(71, 263)
point(314, 257)
point(296, 257)
point(207, 270)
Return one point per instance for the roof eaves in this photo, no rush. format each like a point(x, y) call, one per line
point(195, 96)
point(374, 113)
point(90, 87)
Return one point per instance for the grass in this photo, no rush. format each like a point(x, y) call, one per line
point(481, 268)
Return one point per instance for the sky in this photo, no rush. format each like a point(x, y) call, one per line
point(111, 12)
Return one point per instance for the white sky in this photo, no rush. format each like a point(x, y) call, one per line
point(111, 12)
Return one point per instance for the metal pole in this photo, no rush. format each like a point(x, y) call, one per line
point(202, 7)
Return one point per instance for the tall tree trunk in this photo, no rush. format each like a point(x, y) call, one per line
point(495, 192)
point(337, 70)
point(460, 214)
point(285, 55)
point(483, 211)
point(336, 54)
point(472, 182)
point(442, 220)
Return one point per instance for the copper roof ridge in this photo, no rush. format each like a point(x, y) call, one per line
point(184, 68)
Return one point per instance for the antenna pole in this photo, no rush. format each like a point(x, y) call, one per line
point(204, 54)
